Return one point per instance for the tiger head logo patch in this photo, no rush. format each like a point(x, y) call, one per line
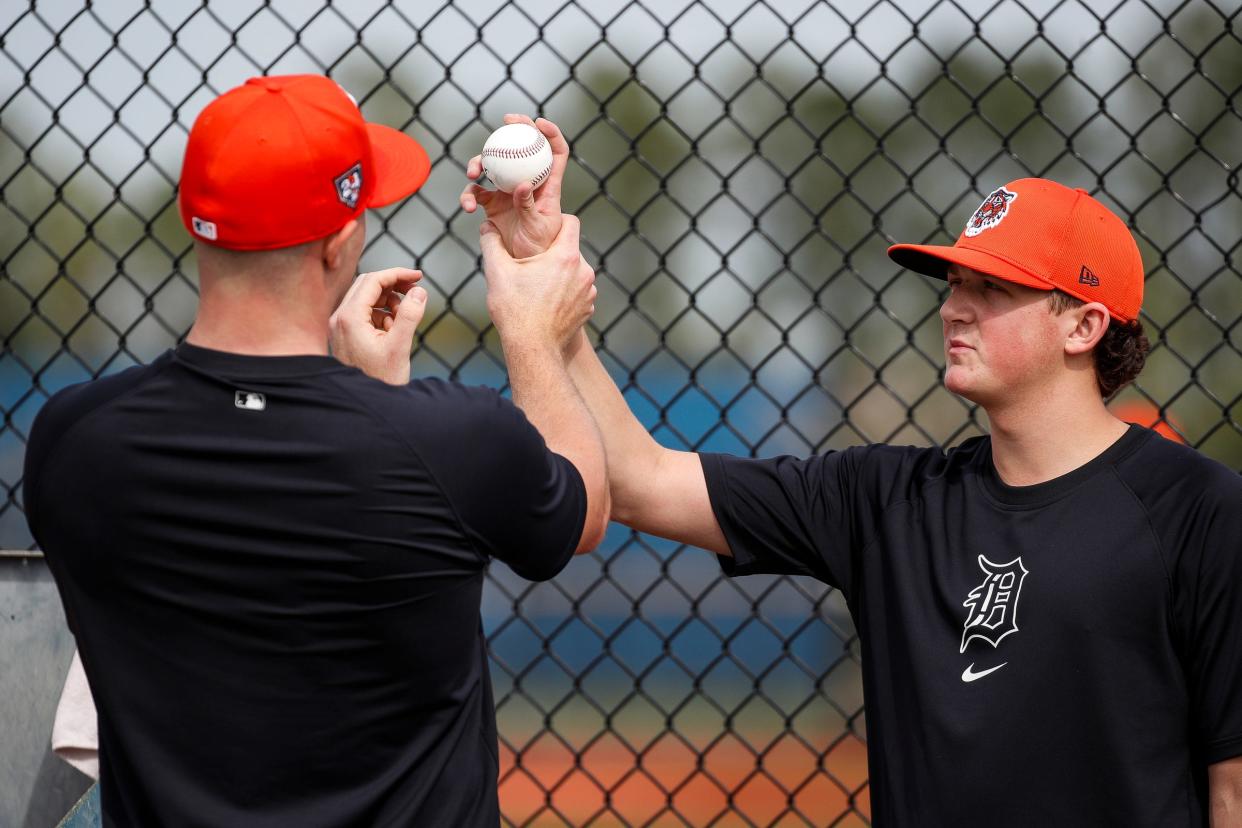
point(991, 212)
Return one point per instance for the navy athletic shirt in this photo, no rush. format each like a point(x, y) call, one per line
point(1065, 654)
point(273, 568)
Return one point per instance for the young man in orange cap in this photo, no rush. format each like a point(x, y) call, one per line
point(1051, 616)
point(272, 558)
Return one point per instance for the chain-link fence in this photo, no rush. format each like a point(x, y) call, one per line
point(739, 168)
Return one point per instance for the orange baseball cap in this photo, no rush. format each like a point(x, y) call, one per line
point(283, 160)
point(1041, 234)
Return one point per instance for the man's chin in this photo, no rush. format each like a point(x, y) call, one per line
point(962, 386)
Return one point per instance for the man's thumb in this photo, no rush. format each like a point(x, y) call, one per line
point(524, 198)
point(490, 243)
point(410, 313)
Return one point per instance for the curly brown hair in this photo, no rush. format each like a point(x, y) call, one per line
point(1121, 352)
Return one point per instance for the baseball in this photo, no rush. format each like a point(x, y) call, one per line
point(516, 153)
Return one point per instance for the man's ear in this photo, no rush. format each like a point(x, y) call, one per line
point(334, 245)
point(1091, 322)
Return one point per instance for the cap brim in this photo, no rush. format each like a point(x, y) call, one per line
point(401, 165)
point(934, 260)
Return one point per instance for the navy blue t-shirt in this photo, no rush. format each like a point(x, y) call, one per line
point(1065, 654)
point(273, 569)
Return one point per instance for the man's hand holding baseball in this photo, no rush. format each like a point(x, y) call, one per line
point(529, 219)
point(373, 328)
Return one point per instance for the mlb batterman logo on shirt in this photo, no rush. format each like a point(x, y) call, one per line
point(250, 400)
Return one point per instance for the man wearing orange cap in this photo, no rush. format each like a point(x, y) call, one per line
point(272, 558)
point(1051, 616)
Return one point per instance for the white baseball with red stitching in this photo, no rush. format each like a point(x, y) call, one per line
point(516, 153)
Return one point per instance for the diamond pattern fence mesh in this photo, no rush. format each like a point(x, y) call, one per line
point(739, 168)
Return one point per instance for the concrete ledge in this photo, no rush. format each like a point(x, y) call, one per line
point(37, 788)
point(17, 555)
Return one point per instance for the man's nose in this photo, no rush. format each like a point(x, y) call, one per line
point(956, 307)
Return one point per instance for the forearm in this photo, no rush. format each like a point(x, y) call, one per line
point(1225, 793)
point(654, 489)
point(542, 388)
point(633, 454)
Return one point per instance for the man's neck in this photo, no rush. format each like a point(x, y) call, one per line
point(233, 318)
point(1038, 441)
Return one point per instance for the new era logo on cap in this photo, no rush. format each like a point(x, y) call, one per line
point(1086, 277)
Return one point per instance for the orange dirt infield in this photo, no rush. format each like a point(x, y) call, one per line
point(607, 784)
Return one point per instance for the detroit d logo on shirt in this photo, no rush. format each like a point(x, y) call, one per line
point(990, 213)
point(349, 186)
point(993, 604)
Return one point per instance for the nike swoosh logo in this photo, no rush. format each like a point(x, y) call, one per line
point(969, 674)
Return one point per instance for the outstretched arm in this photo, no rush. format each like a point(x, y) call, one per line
point(654, 489)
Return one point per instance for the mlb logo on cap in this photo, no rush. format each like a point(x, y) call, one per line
point(202, 227)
